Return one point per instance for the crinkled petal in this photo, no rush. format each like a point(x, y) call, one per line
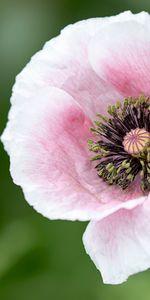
point(47, 134)
point(47, 143)
point(119, 245)
point(64, 63)
point(120, 55)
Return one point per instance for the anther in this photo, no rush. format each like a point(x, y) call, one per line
point(123, 148)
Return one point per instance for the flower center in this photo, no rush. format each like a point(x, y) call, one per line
point(122, 146)
point(136, 141)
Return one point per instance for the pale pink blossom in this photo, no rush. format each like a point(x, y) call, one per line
point(55, 99)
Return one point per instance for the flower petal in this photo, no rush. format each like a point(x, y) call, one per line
point(120, 55)
point(47, 143)
point(119, 245)
point(64, 63)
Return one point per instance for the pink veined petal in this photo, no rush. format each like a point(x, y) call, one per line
point(47, 143)
point(48, 129)
point(119, 245)
point(120, 55)
point(64, 63)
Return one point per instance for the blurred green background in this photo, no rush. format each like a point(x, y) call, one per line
point(42, 259)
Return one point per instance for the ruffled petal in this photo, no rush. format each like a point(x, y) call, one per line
point(119, 245)
point(120, 55)
point(47, 134)
point(64, 63)
point(47, 143)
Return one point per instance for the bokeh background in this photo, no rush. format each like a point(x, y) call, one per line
point(42, 259)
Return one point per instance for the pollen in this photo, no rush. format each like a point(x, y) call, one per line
point(136, 141)
point(121, 144)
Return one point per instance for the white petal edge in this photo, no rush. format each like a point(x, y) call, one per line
point(119, 245)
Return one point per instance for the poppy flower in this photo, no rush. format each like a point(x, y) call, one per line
point(78, 137)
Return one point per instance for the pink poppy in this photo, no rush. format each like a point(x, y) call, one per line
point(84, 71)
